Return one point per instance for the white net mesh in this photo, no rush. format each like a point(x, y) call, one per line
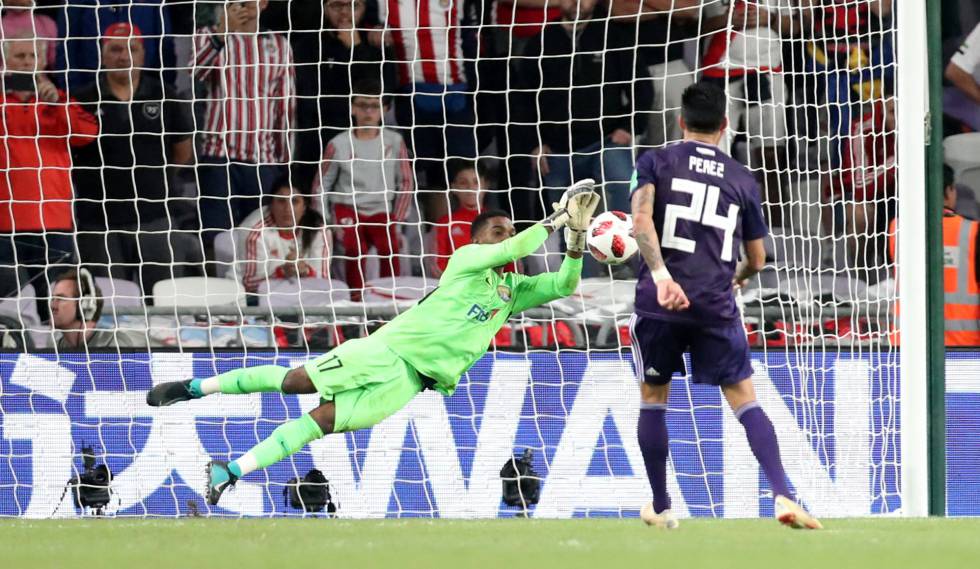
point(207, 172)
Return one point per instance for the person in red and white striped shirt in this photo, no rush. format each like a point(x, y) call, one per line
point(434, 102)
point(249, 112)
point(286, 239)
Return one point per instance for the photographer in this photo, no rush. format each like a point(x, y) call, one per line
point(76, 306)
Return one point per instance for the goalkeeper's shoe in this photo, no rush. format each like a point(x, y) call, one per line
point(219, 480)
point(169, 393)
point(663, 520)
point(791, 514)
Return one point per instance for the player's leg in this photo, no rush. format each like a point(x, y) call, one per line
point(256, 379)
point(720, 356)
point(361, 382)
point(658, 349)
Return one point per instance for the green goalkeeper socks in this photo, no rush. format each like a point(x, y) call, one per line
point(258, 379)
point(284, 441)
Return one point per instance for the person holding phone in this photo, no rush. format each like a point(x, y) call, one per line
point(38, 125)
point(250, 107)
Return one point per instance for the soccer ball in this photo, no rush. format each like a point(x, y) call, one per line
point(610, 238)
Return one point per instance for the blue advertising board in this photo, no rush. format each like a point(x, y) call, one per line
point(836, 414)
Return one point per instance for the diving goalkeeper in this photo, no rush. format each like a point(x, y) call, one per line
point(365, 380)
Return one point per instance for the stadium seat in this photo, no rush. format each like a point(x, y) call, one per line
point(966, 199)
point(198, 291)
point(302, 292)
point(792, 251)
point(224, 254)
point(962, 151)
point(389, 289)
point(23, 310)
point(118, 292)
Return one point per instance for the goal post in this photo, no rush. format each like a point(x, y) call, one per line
point(921, 269)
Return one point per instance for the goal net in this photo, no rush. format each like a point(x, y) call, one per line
point(255, 183)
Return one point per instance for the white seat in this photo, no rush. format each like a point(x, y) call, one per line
point(198, 291)
point(23, 309)
point(792, 251)
point(224, 253)
point(388, 289)
point(962, 151)
point(966, 201)
point(118, 292)
point(601, 295)
point(302, 292)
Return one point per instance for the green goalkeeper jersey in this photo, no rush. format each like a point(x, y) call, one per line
point(452, 328)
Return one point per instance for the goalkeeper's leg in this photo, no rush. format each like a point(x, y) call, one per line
point(258, 379)
point(361, 383)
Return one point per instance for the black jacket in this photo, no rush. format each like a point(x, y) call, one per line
point(573, 91)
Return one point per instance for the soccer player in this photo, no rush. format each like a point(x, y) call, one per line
point(429, 346)
point(693, 206)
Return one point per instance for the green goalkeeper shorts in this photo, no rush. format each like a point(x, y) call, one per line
point(366, 381)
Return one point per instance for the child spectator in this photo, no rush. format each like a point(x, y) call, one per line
point(453, 229)
point(285, 239)
point(19, 20)
point(366, 179)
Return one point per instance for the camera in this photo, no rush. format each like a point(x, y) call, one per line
point(521, 484)
point(90, 489)
point(311, 493)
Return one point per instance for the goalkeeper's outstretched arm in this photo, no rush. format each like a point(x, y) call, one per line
point(576, 205)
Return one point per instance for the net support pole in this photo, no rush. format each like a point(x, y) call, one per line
point(912, 252)
point(934, 274)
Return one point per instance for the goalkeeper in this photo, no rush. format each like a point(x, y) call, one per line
point(363, 381)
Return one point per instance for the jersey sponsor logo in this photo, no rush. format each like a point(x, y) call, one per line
point(478, 313)
point(503, 292)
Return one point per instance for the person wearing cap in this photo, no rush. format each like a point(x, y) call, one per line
point(82, 24)
point(146, 127)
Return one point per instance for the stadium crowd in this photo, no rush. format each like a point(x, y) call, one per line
point(355, 139)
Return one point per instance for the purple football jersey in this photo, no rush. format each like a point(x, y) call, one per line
point(705, 204)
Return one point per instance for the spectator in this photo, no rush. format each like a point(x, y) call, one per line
point(19, 20)
point(961, 269)
point(366, 178)
point(658, 30)
point(328, 62)
point(749, 58)
point(285, 239)
point(76, 306)
point(124, 229)
point(453, 229)
point(38, 124)
point(583, 96)
point(525, 19)
point(249, 113)
point(433, 102)
point(82, 23)
point(962, 100)
point(862, 190)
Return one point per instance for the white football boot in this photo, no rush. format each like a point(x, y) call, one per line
point(791, 514)
point(663, 520)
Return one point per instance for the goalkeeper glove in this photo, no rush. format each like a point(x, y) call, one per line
point(579, 203)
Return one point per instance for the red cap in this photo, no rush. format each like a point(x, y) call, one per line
point(122, 30)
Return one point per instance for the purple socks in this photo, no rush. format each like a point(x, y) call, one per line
point(765, 447)
point(651, 431)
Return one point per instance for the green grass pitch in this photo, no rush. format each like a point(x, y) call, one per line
point(500, 544)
